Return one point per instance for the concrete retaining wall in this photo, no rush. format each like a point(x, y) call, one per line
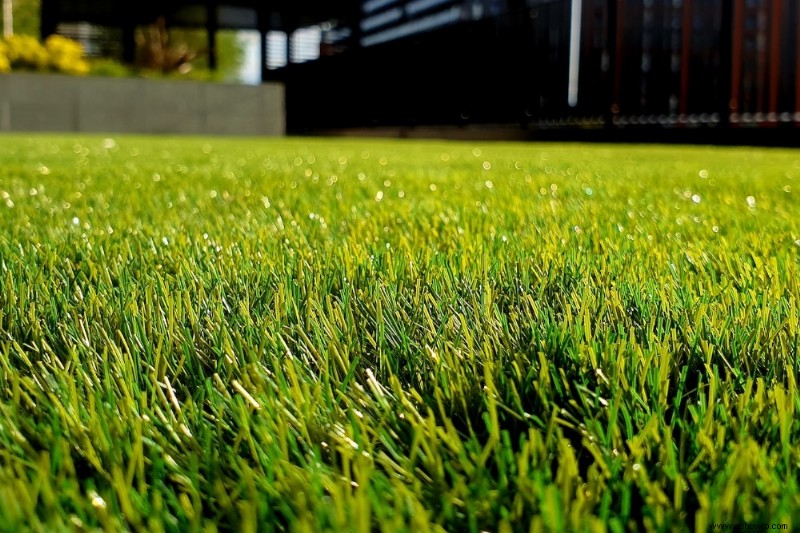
point(44, 102)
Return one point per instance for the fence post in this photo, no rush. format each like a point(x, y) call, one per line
point(726, 64)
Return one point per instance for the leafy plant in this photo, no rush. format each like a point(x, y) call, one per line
point(156, 51)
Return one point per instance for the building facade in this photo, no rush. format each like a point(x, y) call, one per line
point(559, 63)
point(535, 63)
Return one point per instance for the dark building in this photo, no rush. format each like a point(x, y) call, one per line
point(560, 64)
point(536, 64)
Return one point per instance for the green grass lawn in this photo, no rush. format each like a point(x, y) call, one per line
point(360, 335)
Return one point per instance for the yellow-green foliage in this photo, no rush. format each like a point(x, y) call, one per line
point(316, 335)
point(58, 54)
point(26, 53)
point(5, 64)
point(66, 55)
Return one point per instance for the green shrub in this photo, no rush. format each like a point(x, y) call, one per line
point(195, 74)
point(110, 68)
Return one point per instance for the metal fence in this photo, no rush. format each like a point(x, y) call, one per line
point(569, 63)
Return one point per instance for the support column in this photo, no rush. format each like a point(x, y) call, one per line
point(263, 30)
point(212, 25)
point(264, 48)
point(289, 47)
point(574, 52)
point(8, 19)
point(128, 42)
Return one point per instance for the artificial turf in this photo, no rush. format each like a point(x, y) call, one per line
point(209, 334)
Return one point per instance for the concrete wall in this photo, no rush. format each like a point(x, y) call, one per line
point(45, 102)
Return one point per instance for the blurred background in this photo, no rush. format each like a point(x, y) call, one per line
point(514, 68)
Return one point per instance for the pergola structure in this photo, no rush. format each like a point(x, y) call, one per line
point(213, 15)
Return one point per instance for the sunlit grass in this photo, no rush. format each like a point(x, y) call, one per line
point(351, 335)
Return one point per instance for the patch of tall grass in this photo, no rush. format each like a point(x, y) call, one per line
point(317, 334)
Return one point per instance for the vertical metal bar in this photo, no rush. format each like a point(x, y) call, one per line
point(618, 55)
point(736, 67)
point(761, 59)
point(686, 50)
point(726, 61)
point(775, 55)
point(797, 70)
point(608, 61)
